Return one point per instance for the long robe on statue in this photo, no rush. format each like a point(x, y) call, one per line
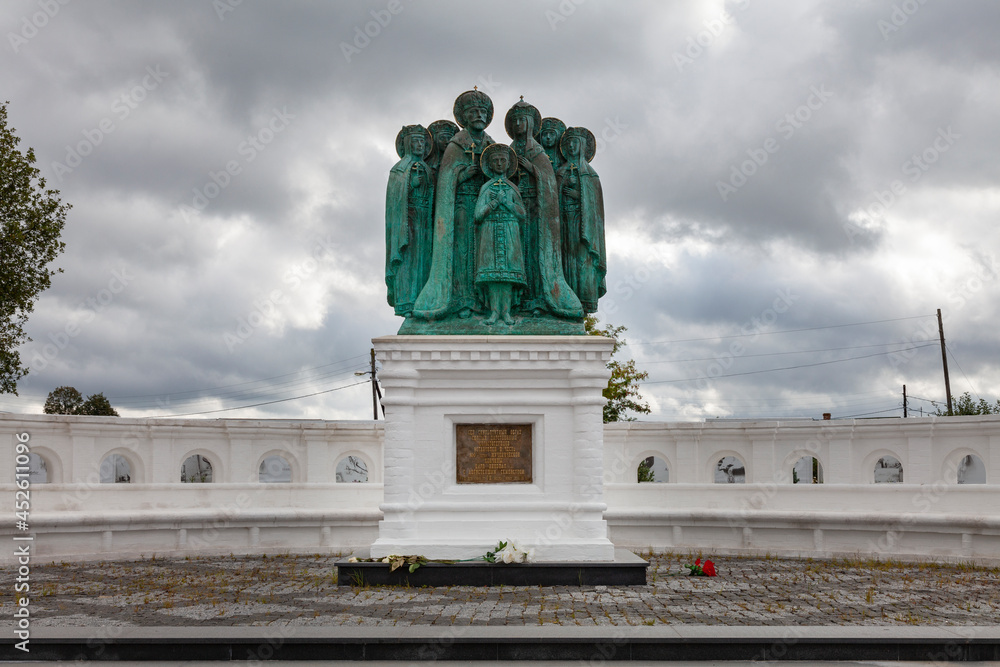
point(500, 257)
point(409, 197)
point(451, 284)
point(585, 263)
point(552, 286)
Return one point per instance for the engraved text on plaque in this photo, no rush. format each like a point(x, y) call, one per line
point(493, 453)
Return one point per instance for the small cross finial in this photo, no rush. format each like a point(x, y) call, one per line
point(522, 98)
point(475, 87)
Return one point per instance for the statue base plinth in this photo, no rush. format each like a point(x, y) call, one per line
point(524, 325)
point(542, 489)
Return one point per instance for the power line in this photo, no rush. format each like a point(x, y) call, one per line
point(963, 372)
point(771, 333)
point(250, 393)
point(242, 407)
point(808, 404)
point(877, 412)
point(124, 401)
point(784, 400)
point(788, 368)
point(238, 384)
point(773, 354)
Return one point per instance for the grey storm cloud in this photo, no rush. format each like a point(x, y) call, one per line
point(230, 160)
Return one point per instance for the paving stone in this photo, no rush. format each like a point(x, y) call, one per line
point(302, 590)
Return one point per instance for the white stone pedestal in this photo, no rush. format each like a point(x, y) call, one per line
point(553, 383)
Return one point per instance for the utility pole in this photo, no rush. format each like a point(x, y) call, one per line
point(376, 392)
point(904, 401)
point(944, 361)
point(374, 389)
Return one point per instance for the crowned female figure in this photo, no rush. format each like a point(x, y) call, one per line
point(582, 207)
point(441, 132)
point(451, 285)
point(552, 131)
point(547, 291)
point(500, 214)
point(409, 198)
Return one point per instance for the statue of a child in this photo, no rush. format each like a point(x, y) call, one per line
point(499, 213)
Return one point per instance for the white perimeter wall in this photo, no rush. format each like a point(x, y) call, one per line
point(928, 516)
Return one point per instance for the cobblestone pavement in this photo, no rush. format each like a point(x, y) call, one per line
point(302, 590)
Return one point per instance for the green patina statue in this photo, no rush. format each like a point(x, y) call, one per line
point(584, 256)
point(500, 257)
point(408, 199)
point(552, 131)
point(484, 238)
point(548, 291)
point(442, 131)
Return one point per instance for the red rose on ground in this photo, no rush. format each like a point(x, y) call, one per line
point(708, 568)
point(698, 562)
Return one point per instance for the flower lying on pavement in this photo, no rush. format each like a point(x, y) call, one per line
point(699, 569)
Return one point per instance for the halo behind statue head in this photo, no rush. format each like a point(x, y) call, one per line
point(523, 108)
point(589, 142)
point(484, 161)
point(469, 99)
point(555, 124)
point(439, 126)
point(407, 132)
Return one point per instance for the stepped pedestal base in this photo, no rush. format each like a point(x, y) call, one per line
point(491, 438)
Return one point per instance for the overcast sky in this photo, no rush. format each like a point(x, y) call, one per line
point(772, 172)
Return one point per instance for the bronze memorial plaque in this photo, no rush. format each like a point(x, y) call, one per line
point(493, 453)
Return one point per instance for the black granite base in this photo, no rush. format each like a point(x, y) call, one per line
point(620, 572)
point(934, 645)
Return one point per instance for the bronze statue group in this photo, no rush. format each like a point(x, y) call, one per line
point(482, 236)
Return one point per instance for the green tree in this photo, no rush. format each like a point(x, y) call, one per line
point(63, 401)
point(31, 219)
point(964, 405)
point(622, 391)
point(97, 404)
point(69, 401)
point(645, 472)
